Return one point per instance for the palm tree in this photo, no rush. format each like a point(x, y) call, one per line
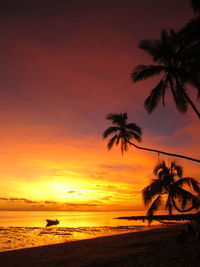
point(175, 67)
point(190, 33)
point(169, 181)
point(195, 5)
point(123, 132)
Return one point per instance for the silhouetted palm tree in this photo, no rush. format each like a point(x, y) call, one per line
point(195, 5)
point(123, 132)
point(176, 68)
point(189, 36)
point(190, 33)
point(170, 182)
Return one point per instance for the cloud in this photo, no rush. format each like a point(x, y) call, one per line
point(80, 204)
point(57, 73)
point(107, 187)
point(107, 198)
point(122, 189)
point(50, 202)
point(105, 166)
point(72, 192)
point(14, 199)
point(24, 200)
point(99, 175)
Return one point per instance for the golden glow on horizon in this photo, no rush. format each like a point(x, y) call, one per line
point(56, 91)
point(86, 178)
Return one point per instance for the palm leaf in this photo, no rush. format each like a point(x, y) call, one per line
point(184, 196)
point(150, 191)
point(177, 168)
point(195, 5)
point(179, 99)
point(141, 72)
point(136, 136)
point(194, 80)
point(118, 139)
point(151, 47)
point(111, 142)
point(154, 206)
point(152, 101)
point(191, 182)
point(110, 131)
point(117, 118)
point(190, 32)
point(124, 146)
point(134, 127)
point(160, 166)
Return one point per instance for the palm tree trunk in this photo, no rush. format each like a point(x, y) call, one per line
point(162, 152)
point(177, 208)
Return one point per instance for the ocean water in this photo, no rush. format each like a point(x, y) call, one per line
point(23, 229)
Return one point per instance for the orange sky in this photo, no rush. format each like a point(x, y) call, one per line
point(64, 66)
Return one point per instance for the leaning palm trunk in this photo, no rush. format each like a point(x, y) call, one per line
point(124, 132)
point(162, 152)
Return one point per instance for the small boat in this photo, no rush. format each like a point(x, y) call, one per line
point(52, 222)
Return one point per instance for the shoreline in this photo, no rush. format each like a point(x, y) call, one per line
point(16, 238)
point(156, 247)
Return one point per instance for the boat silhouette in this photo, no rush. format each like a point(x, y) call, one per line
point(52, 222)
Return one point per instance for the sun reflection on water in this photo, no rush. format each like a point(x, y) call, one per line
point(27, 229)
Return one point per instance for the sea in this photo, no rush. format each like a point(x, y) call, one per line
point(24, 229)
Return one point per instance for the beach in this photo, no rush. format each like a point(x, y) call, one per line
point(157, 247)
point(25, 229)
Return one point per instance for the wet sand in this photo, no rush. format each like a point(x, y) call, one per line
point(156, 247)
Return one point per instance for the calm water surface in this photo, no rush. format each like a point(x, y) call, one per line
point(22, 229)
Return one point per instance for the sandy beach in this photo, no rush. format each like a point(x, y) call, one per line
point(156, 247)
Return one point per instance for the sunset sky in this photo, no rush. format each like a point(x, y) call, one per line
point(64, 66)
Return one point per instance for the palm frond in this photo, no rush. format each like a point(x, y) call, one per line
point(163, 173)
point(154, 206)
point(141, 72)
point(177, 168)
point(183, 194)
point(135, 136)
point(124, 146)
point(160, 166)
point(186, 197)
point(134, 127)
point(124, 116)
point(110, 131)
point(165, 38)
point(194, 80)
point(117, 118)
point(191, 182)
point(190, 32)
point(112, 141)
point(156, 93)
point(179, 99)
point(152, 47)
point(118, 139)
point(150, 191)
point(195, 5)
